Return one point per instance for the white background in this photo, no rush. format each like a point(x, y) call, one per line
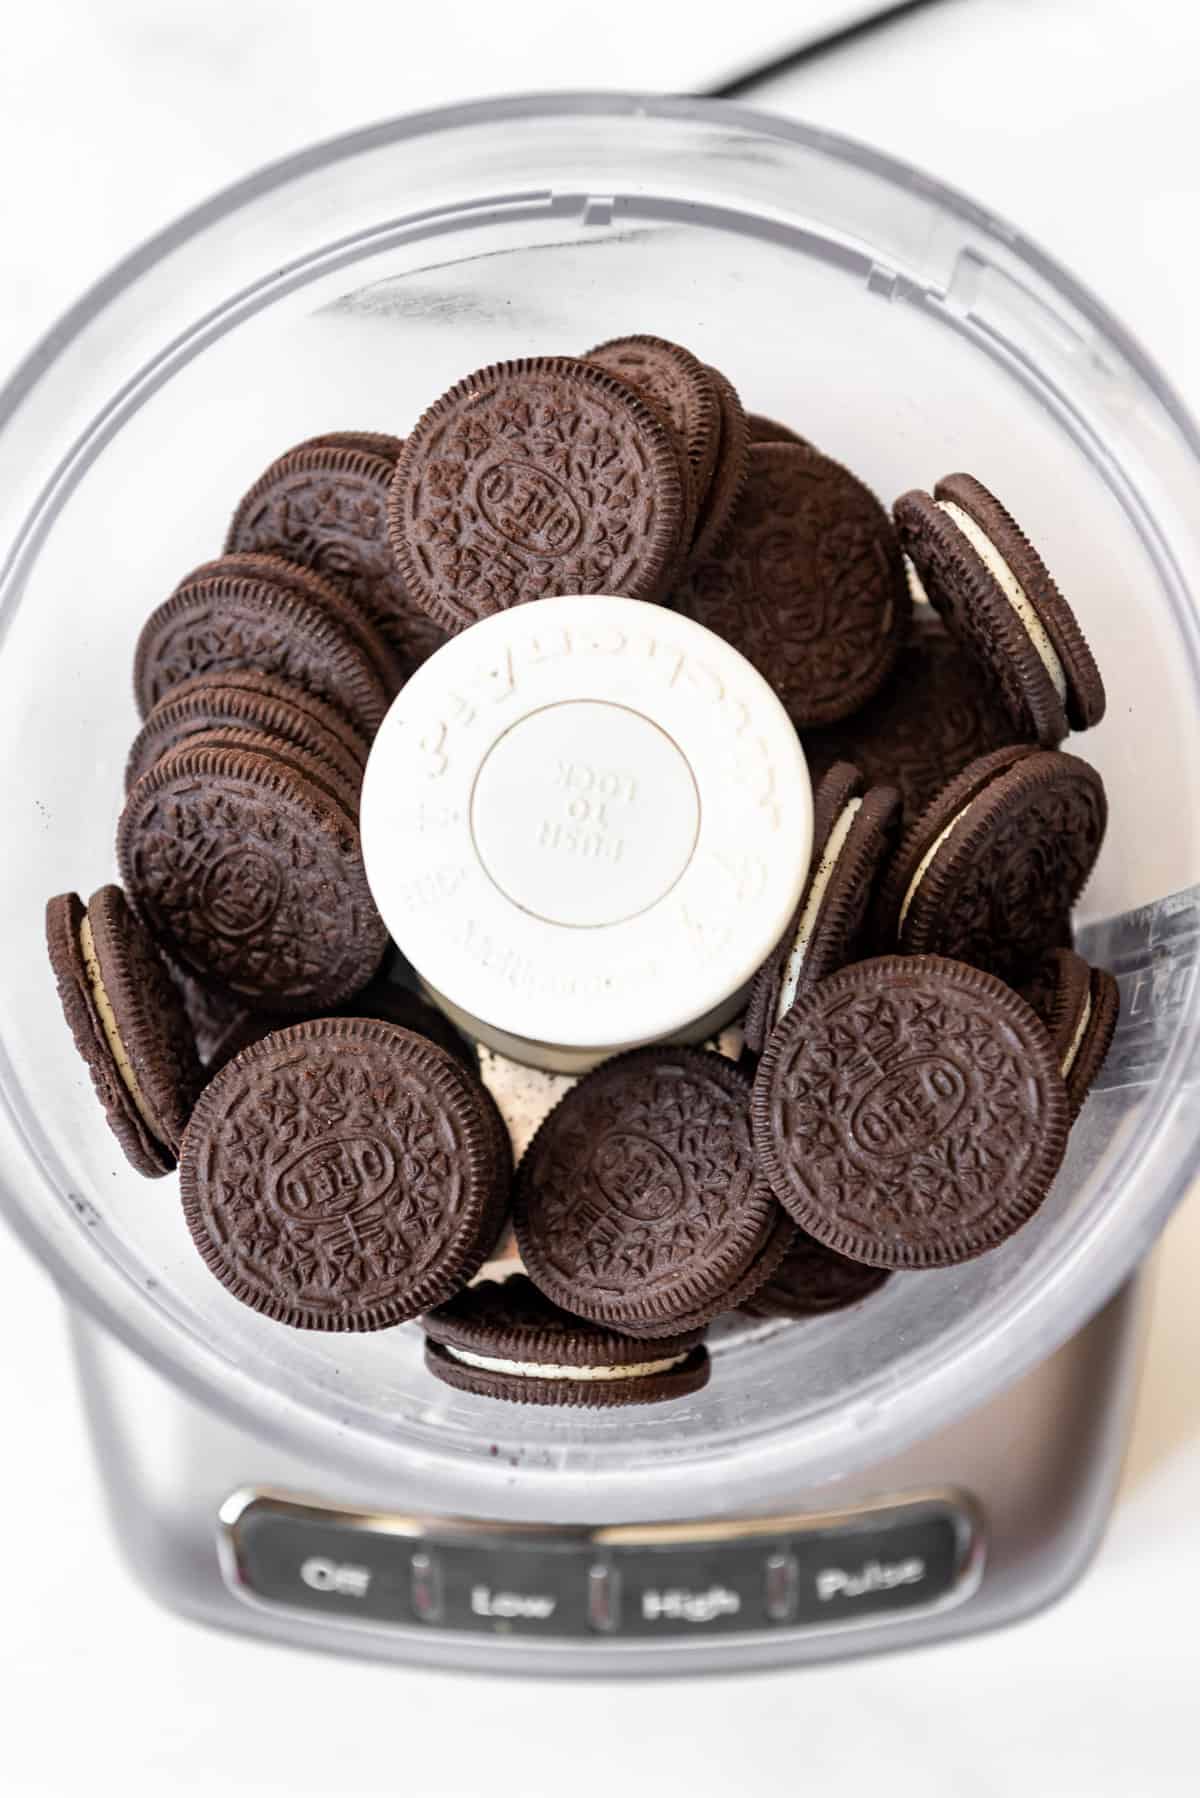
point(1078, 118)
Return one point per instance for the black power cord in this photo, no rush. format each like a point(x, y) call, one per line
point(844, 35)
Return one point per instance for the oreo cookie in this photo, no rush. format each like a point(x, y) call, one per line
point(128, 1023)
point(677, 386)
point(343, 1174)
point(910, 1112)
point(254, 702)
point(367, 443)
point(809, 585)
point(994, 864)
point(324, 504)
point(719, 502)
point(1079, 1006)
point(344, 793)
point(935, 713)
point(250, 876)
point(853, 832)
point(997, 596)
point(294, 577)
point(812, 1280)
point(506, 1340)
point(396, 1004)
point(382, 999)
point(768, 430)
point(226, 622)
point(533, 478)
point(638, 1204)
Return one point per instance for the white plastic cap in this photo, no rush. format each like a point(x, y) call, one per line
point(586, 821)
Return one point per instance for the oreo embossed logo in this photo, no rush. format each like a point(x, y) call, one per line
point(911, 1106)
point(241, 891)
point(529, 508)
point(333, 1178)
point(638, 1177)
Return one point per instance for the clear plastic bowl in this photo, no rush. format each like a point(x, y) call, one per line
point(891, 320)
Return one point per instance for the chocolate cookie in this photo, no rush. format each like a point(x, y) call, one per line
point(854, 829)
point(128, 1023)
point(306, 583)
point(248, 702)
point(998, 598)
point(811, 1280)
point(769, 430)
point(285, 755)
point(991, 867)
point(226, 623)
point(910, 1112)
point(506, 1340)
point(532, 478)
point(934, 715)
point(251, 877)
point(324, 504)
point(1057, 990)
point(367, 443)
point(809, 586)
point(638, 1203)
point(396, 1004)
point(342, 1175)
point(270, 565)
point(678, 387)
point(380, 998)
point(1079, 1006)
point(719, 503)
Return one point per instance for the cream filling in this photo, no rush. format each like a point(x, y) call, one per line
point(108, 1020)
point(926, 859)
point(916, 586)
point(1085, 1018)
point(812, 906)
point(1013, 592)
point(538, 1370)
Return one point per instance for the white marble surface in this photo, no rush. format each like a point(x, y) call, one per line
point(1078, 119)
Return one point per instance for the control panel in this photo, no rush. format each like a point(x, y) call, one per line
point(632, 1580)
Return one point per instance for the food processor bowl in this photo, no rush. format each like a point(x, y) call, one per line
point(892, 321)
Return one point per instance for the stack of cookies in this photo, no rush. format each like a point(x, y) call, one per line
point(915, 1047)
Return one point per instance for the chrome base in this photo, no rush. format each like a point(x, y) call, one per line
point(1037, 1468)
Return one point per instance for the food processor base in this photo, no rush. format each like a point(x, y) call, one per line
point(979, 1524)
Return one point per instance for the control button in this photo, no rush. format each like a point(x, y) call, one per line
point(700, 1589)
point(323, 1575)
point(301, 1558)
point(512, 1588)
point(877, 1566)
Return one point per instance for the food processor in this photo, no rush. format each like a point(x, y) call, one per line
point(938, 1459)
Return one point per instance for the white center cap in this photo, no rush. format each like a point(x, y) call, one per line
point(585, 813)
point(586, 821)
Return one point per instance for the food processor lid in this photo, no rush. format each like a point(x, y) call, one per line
point(545, 173)
point(586, 821)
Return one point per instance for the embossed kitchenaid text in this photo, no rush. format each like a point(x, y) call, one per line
point(441, 739)
point(585, 811)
